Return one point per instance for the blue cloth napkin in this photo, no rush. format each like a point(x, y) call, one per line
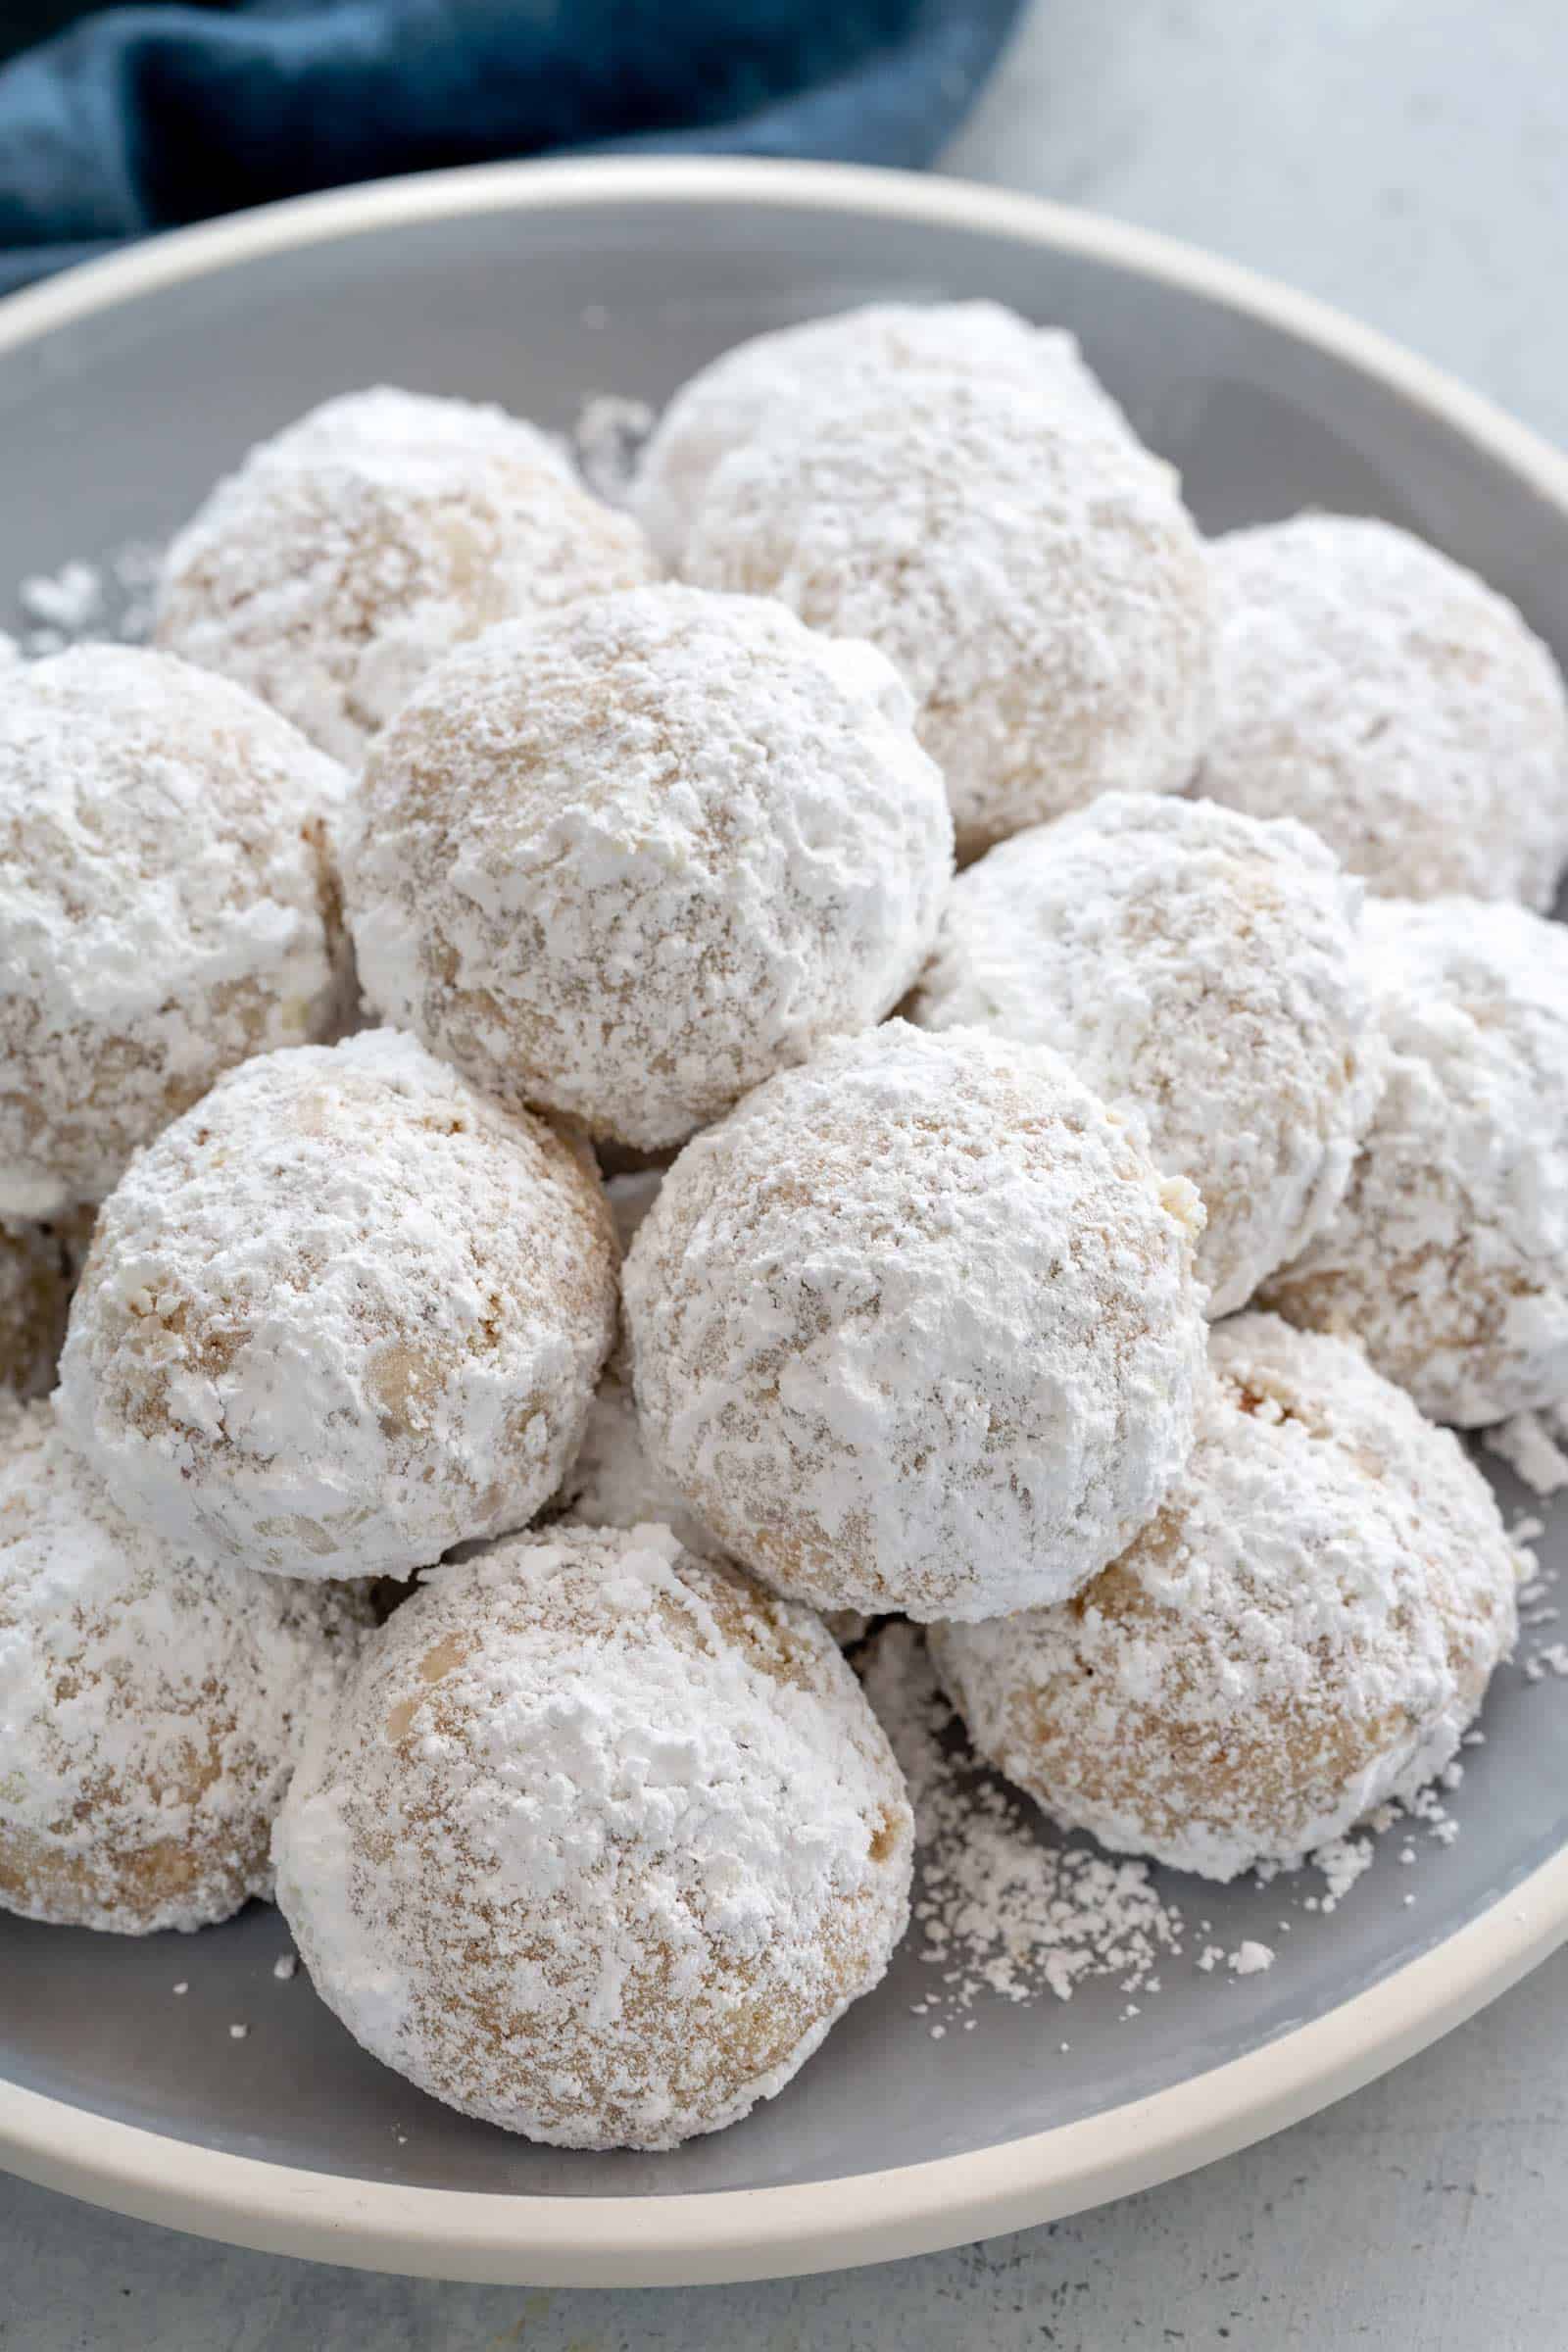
point(145, 118)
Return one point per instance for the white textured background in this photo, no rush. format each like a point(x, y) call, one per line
point(1407, 159)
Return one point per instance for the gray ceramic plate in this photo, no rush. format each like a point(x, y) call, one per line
point(123, 391)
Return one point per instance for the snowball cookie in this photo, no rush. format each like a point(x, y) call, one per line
point(600, 1842)
point(1304, 1632)
point(628, 862)
point(916, 1327)
point(1203, 972)
point(1448, 1256)
point(821, 364)
point(351, 552)
point(1041, 588)
point(1393, 703)
point(151, 1709)
point(38, 1270)
point(168, 906)
point(343, 1314)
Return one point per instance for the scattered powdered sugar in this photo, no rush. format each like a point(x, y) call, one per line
point(625, 863)
point(84, 601)
point(1305, 1631)
point(1251, 1959)
point(872, 1267)
point(1203, 972)
point(600, 1841)
point(816, 369)
point(151, 1709)
point(345, 1313)
point(1042, 590)
point(1449, 1254)
point(355, 549)
point(238, 2033)
point(1343, 1861)
point(286, 1967)
point(167, 904)
point(1393, 703)
point(70, 600)
point(995, 1911)
point(1529, 1442)
point(1002, 1910)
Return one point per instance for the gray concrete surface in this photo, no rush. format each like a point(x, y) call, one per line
point(1408, 160)
point(1405, 159)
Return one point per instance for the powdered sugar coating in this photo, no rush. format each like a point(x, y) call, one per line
point(343, 1314)
point(599, 1842)
point(151, 1709)
point(817, 365)
point(38, 1270)
point(1395, 703)
point(627, 862)
point(1304, 1631)
point(916, 1327)
point(1448, 1256)
point(168, 906)
point(1042, 590)
point(351, 551)
point(1203, 972)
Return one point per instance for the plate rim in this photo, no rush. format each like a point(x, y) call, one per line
point(726, 2234)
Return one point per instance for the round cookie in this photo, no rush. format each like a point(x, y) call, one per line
point(600, 1842)
point(819, 364)
point(153, 1707)
point(1203, 972)
point(916, 1327)
point(39, 1265)
point(1303, 1632)
point(1392, 701)
point(342, 1315)
point(353, 549)
point(1449, 1254)
point(1041, 588)
point(627, 862)
point(168, 906)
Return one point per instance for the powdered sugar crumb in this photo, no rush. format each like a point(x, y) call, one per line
point(997, 1911)
point(1249, 1959)
point(1529, 1445)
point(71, 600)
point(85, 600)
point(1343, 1861)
